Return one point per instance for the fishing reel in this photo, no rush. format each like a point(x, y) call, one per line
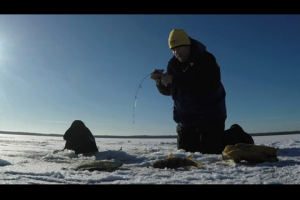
point(158, 71)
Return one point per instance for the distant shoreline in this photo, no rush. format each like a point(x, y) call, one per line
point(142, 136)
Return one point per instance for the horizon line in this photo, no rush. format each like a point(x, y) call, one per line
point(140, 136)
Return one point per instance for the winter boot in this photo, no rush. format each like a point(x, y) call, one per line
point(235, 134)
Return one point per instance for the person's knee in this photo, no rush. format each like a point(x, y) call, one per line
point(211, 138)
point(187, 139)
point(212, 143)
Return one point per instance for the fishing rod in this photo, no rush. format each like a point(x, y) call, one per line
point(140, 86)
point(135, 98)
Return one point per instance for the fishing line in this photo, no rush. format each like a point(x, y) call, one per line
point(135, 98)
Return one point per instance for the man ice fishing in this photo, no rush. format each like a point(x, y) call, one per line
point(193, 80)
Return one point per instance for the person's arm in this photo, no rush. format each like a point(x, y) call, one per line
point(156, 76)
point(164, 90)
point(67, 135)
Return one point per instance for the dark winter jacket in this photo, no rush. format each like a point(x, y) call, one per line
point(79, 138)
point(197, 90)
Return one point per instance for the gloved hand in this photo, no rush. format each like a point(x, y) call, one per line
point(250, 153)
point(157, 74)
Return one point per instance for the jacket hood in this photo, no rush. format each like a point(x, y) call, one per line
point(77, 124)
point(196, 47)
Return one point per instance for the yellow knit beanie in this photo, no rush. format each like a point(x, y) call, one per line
point(178, 37)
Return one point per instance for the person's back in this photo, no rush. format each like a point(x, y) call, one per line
point(80, 139)
point(193, 80)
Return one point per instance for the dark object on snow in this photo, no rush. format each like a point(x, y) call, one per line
point(236, 134)
point(80, 139)
point(176, 162)
point(99, 165)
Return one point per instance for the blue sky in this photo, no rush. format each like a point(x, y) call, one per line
point(55, 69)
